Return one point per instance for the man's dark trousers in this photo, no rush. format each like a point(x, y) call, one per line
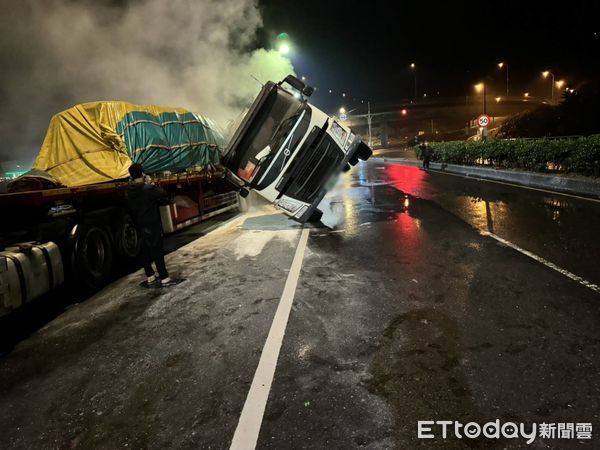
point(152, 251)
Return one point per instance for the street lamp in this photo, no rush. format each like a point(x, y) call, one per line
point(414, 71)
point(284, 49)
point(500, 66)
point(342, 110)
point(545, 75)
point(498, 99)
point(560, 83)
point(481, 87)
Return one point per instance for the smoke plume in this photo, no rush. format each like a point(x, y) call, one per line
point(189, 53)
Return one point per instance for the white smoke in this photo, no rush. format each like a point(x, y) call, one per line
point(197, 54)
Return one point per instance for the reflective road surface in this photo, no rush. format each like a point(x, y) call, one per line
point(404, 310)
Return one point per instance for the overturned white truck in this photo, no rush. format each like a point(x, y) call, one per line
point(67, 219)
point(289, 151)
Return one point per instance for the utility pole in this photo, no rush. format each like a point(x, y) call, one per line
point(369, 121)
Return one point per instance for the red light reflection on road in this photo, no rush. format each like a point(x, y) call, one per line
point(408, 179)
point(409, 239)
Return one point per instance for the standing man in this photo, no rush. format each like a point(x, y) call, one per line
point(143, 200)
point(426, 154)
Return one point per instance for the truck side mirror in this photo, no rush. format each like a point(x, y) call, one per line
point(308, 91)
point(298, 85)
point(294, 82)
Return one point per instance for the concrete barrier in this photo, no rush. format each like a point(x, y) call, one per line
point(586, 187)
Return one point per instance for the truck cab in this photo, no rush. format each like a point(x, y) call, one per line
point(289, 151)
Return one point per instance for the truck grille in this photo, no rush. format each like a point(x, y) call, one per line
point(312, 169)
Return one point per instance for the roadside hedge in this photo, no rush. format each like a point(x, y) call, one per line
point(568, 155)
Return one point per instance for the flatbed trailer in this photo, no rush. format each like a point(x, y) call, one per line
point(80, 234)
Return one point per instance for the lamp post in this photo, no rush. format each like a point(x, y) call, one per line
point(560, 84)
point(500, 66)
point(414, 71)
point(369, 122)
point(481, 87)
point(545, 75)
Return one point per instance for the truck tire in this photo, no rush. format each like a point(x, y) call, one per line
point(363, 152)
point(315, 217)
point(127, 242)
point(353, 160)
point(244, 192)
point(92, 256)
point(347, 168)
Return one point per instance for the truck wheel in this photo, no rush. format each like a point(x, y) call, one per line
point(363, 151)
point(353, 160)
point(244, 192)
point(347, 167)
point(315, 217)
point(127, 241)
point(92, 256)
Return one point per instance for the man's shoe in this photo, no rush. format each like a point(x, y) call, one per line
point(154, 284)
point(167, 282)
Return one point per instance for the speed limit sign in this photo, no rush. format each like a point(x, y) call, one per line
point(483, 121)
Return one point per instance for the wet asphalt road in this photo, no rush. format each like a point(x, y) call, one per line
point(404, 311)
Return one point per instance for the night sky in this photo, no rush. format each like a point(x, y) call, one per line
point(365, 48)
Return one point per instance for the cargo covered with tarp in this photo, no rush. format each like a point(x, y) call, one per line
point(97, 142)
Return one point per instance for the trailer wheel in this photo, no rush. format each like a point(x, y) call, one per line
point(92, 256)
point(126, 237)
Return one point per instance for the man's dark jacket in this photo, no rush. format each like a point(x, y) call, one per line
point(143, 201)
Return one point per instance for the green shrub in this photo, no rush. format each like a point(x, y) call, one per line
point(578, 155)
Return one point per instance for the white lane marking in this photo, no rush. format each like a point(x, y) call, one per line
point(246, 433)
point(545, 262)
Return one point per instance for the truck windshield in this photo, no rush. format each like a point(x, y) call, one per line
point(268, 119)
point(284, 143)
point(283, 132)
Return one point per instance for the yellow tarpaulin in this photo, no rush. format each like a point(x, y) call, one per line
point(82, 147)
